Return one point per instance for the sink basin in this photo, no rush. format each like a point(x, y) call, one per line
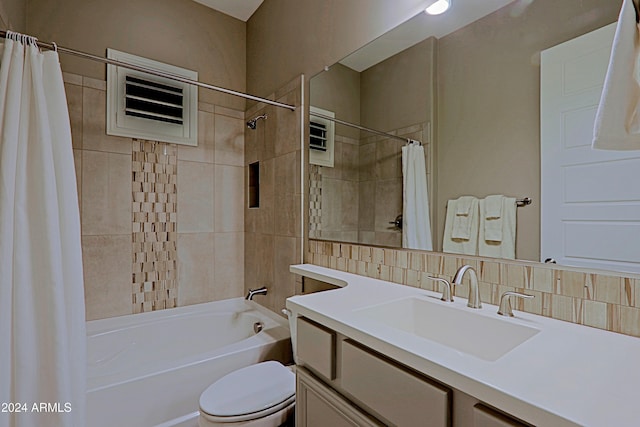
point(461, 329)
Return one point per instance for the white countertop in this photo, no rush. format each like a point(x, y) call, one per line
point(567, 374)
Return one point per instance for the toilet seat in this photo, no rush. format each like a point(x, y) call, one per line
point(256, 391)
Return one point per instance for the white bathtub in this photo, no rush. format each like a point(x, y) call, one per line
point(149, 369)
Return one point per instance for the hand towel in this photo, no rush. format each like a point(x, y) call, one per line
point(461, 246)
point(464, 207)
point(491, 218)
point(617, 124)
point(506, 248)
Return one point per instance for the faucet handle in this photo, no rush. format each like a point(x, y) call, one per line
point(505, 302)
point(446, 290)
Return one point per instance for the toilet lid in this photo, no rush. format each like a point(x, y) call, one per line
point(248, 390)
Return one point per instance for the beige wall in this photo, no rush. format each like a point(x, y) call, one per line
point(488, 104)
point(399, 91)
point(13, 15)
point(180, 32)
point(286, 38)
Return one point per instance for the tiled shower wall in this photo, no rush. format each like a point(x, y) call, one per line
point(609, 302)
point(162, 225)
point(273, 239)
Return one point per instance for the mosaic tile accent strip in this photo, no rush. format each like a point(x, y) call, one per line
point(154, 234)
point(609, 302)
point(315, 201)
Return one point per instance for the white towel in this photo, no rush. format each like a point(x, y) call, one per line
point(461, 246)
point(617, 124)
point(464, 208)
point(491, 215)
point(506, 248)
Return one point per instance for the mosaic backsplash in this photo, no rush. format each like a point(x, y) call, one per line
point(609, 302)
point(154, 235)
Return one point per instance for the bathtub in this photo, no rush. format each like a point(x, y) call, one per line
point(149, 369)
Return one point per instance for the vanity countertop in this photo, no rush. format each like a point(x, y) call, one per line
point(566, 374)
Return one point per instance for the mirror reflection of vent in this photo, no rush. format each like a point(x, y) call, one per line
point(146, 106)
point(321, 137)
point(317, 135)
point(153, 101)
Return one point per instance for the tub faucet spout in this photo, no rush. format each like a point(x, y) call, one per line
point(474, 291)
point(253, 292)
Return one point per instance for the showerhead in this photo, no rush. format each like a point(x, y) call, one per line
point(251, 124)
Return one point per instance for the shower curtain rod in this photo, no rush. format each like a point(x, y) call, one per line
point(377, 132)
point(54, 46)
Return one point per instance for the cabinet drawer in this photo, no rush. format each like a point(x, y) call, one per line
point(395, 393)
point(487, 417)
point(316, 347)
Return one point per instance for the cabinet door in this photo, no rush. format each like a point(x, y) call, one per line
point(319, 406)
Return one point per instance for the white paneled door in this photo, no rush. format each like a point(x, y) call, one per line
point(590, 215)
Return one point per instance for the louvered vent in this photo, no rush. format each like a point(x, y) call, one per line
point(321, 137)
point(317, 135)
point(143, 105)
point(153, 101)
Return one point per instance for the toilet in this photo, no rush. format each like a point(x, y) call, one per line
point(260, 395)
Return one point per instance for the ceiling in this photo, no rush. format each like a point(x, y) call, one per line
point(418, 28)
point(421, 27)
point(239, 9)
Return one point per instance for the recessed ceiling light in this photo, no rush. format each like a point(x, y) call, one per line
point(438, 7)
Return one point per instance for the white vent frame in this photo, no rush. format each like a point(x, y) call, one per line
point(120, 124)
point(323, 158)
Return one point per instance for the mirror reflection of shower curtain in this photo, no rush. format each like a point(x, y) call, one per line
point(416, 230)
point(42, 320)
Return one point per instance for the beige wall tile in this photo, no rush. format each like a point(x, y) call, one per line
point(74, 104)
point(94, 130)
point(543, 279)
point(229, 140)
point(205, 151)
point(288, 124)
point(284, 285)
point(195, 197)
point(571, 283)
point(564, 308)
point(77, 161)
point(594, 314)
point(106, 193)
point(107, 275)
point(196, 269)
point(630, 321)
point(228, 265)
point(229, 198)
point(607, 288)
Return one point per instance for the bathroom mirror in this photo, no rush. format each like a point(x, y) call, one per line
point(469, 89)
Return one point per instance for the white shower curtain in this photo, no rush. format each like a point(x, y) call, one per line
point(416, 226)
point(42, 321)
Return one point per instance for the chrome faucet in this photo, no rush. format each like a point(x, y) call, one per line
point(505, 304)
point(474, 290)
point(253, 292)
point(446, 290)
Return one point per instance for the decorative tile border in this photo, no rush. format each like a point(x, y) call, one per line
point(609, 302)
point(154, 201)
point(315, 201)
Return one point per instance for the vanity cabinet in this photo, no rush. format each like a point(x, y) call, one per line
point(336, 371)
point(341, 382)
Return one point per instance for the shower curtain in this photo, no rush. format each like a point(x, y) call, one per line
point(42, 321)
point(416, 226)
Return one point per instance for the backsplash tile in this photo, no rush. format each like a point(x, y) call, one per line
point(599, 300)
